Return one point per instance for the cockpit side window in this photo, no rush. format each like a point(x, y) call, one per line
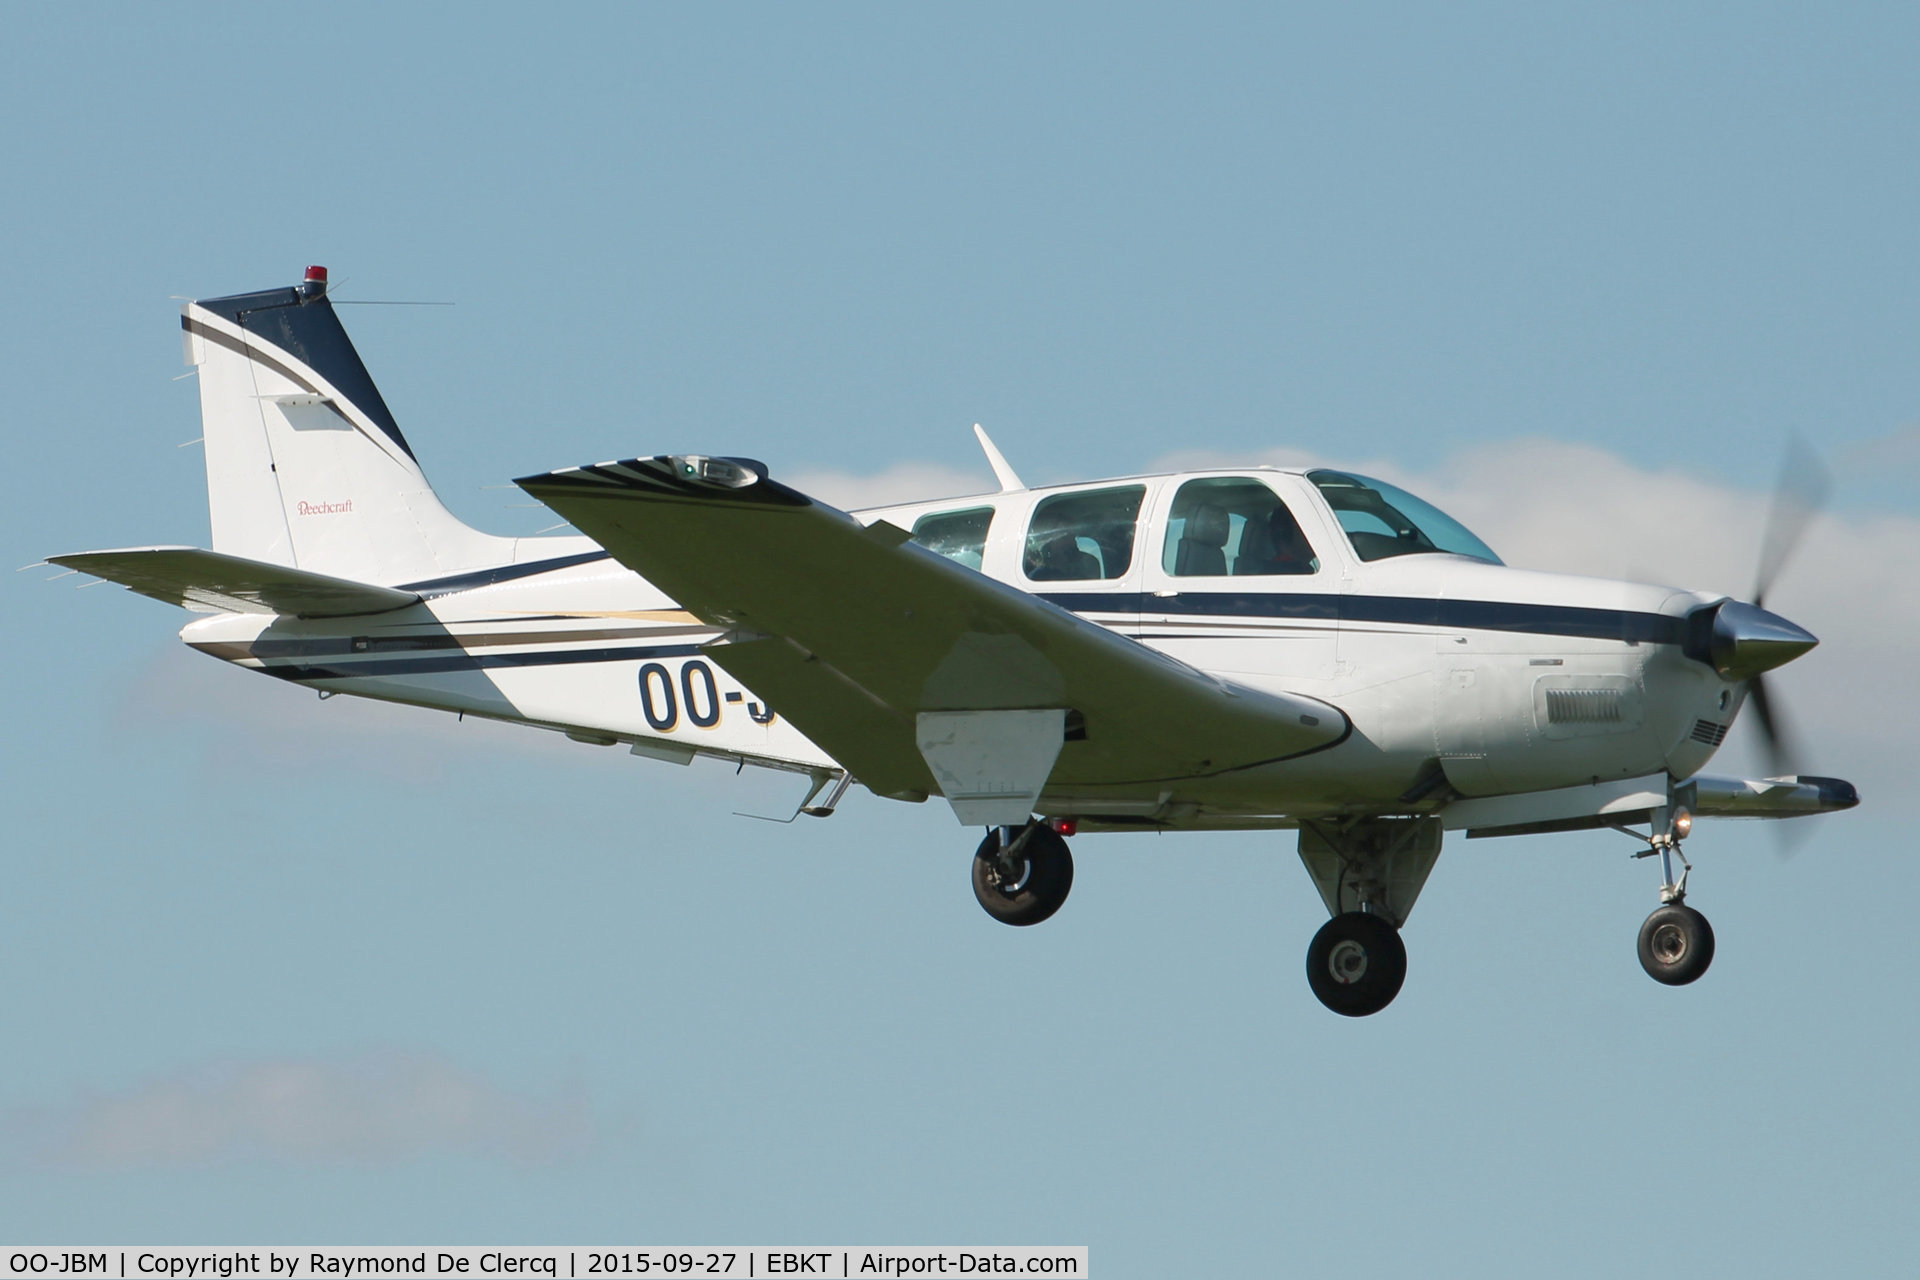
point(1233, 526)
point(1080, 536)
point(1381, 520)
point(957, 535)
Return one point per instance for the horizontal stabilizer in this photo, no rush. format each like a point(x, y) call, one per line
point(209, 582)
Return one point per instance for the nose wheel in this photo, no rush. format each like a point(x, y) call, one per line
point(1356, 964)
point(1676, 945)
point(1676, 942)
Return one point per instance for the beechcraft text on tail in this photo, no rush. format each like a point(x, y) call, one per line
point(1244, 648)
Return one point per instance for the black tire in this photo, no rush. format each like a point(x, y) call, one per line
point(1030, 886)
point(1676, 945)
point(1356, 964)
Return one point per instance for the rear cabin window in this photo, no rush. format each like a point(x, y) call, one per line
point(1075, 537)
point(1233, 527)
point(957, 535)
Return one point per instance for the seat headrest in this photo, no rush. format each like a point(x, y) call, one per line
point(1208, 526)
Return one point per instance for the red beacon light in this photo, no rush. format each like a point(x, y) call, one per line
point(315, 285)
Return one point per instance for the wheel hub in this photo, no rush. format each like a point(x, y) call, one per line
point(1010, 874)
point(1347, 962)
point(1670, 943)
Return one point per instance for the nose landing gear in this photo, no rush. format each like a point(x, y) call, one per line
point(1676, 942)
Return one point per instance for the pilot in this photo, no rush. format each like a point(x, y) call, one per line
point(1281, 549)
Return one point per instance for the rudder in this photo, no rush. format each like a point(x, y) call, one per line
point(306, 466)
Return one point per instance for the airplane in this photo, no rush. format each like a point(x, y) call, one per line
point(1250, 648)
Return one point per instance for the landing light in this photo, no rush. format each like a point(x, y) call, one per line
point(719, 471)
point(1682, 824)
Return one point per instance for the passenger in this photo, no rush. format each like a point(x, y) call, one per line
point(1060, 559)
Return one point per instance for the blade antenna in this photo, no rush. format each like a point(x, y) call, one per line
point(1009, 482)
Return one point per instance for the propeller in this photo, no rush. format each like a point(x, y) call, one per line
point(1804, 487)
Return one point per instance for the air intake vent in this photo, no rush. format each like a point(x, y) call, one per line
point(1709, 733)
point(1568, 705)
point(1583, 706)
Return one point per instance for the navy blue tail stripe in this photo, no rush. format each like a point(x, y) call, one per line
point(308, 330)
point(443, 663)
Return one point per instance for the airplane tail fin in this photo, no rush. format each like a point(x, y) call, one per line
point(306, 466)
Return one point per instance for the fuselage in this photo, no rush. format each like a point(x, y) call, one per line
point(1459, 676)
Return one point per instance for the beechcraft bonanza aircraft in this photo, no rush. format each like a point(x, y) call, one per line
point(1220, 650)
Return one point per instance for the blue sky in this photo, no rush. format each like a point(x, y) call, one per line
point(285, 972)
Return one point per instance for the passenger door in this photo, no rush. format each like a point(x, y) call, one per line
point(1235, 583)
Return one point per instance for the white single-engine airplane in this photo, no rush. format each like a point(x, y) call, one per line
point(1213, 650)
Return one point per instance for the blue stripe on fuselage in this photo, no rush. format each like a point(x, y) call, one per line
point(1466, 615)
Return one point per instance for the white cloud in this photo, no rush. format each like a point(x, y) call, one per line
point(902, 482)
point(250, 717)
point(375, 1110)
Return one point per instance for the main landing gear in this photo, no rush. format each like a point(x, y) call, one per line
point(1369, 873)
point(1676, 942)
point(1021, 875)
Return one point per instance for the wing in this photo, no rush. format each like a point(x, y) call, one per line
point(866, 641)
point(209, 582)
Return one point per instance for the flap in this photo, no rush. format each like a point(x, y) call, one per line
point(209, 582)
point(852, 631)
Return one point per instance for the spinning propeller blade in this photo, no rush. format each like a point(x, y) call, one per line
point(1805, 485)
point(1782, 750)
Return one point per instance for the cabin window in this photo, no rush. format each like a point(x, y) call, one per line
point(1080, 536)
point(957, 535)
point(1233, 527)
point(1381, 520)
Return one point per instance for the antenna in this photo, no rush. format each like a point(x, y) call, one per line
point(1009, 482)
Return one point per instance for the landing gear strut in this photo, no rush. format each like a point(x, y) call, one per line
point(1021, 875)
point(1676, 942)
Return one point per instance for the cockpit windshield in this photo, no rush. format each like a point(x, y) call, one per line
point(1381, 520)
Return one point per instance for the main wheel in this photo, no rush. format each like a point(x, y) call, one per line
point(1676, 945)
point(1022, 874)
point(1356, 964)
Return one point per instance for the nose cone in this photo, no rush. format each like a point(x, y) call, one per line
point(1748, 640)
